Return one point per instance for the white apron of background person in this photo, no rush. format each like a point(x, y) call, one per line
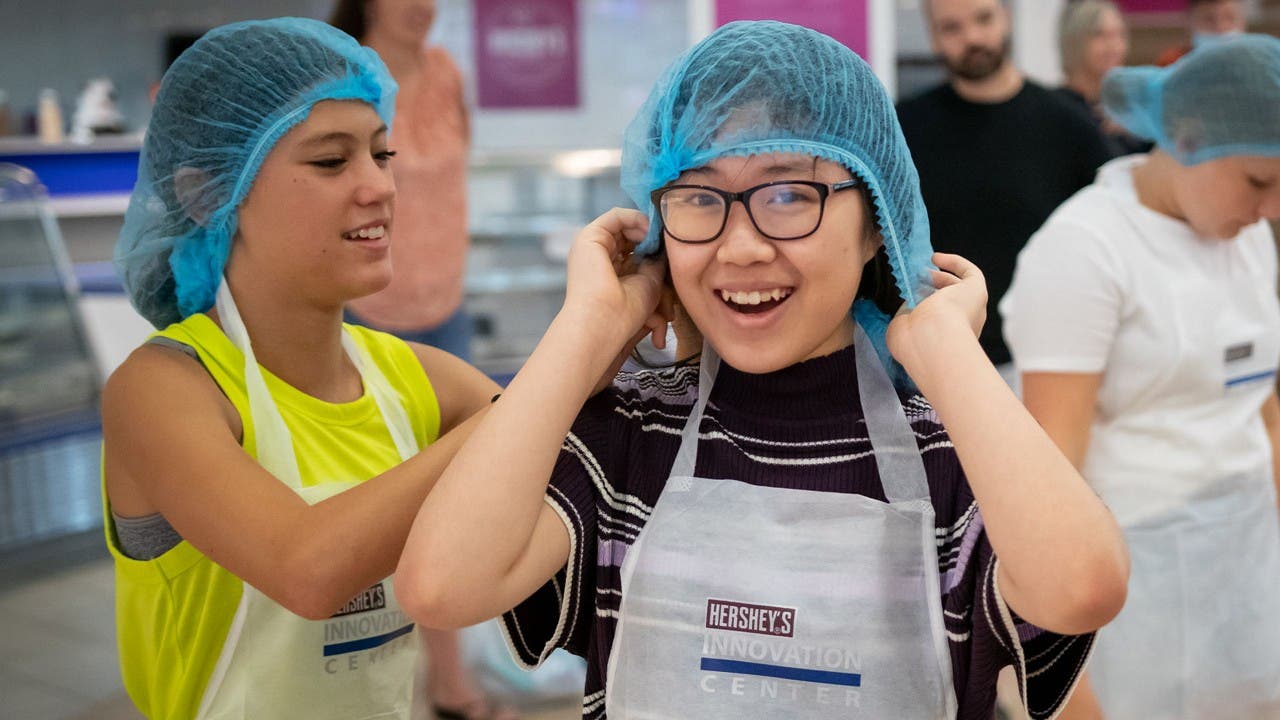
point(1199, 636)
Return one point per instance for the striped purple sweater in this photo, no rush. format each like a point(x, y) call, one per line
point(800, 428)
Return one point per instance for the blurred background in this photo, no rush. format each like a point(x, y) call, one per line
point(550, 85)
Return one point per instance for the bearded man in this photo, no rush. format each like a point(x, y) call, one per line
point(996, 152)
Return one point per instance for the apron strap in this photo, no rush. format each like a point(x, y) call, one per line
point(687, 457)
point(384, 395)
point(892, 439)
point(271, 435)
point(894, 442)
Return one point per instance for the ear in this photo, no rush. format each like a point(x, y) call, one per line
point(872, 238)
point(193, 190)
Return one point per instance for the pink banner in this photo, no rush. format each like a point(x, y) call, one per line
point(1160, 6)
point(526, 53)
point(844, 20)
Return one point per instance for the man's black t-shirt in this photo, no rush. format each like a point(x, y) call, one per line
point(992, 173)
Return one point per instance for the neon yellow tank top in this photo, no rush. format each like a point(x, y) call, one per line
point(173, 612)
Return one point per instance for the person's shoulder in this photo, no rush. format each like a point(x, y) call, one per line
point(659, 393)
point(164, 375)
point(923, 102)
point(440, 63)
point(952, 498)
point(1068, 111)
point(675, 385)
point(1099, 207)
point(924, 421)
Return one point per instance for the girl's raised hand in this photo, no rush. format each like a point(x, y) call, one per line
point(611, 290)
point(960, 299)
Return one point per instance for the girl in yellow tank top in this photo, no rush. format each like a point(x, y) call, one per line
point(290, 467)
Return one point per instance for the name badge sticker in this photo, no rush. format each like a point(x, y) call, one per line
point(1235, 353)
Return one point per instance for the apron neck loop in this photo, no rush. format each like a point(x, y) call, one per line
point(892, 439)
point(271, 436)
point(894, 442)
point(687, 458)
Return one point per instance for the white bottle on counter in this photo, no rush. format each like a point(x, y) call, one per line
point(49, 117)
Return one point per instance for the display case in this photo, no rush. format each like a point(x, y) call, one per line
point(524, 210)
point(49, 383)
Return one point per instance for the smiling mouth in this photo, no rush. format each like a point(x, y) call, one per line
point(370, 233)
point(755, 301)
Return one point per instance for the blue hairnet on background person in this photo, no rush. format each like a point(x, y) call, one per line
point(1226, 102)
point(233, 489)
point(1145, 322)
point(782, 485)
point(204, 146)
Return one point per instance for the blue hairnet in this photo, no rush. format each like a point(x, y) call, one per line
point(221, 108)
point(755, 87)
point(1220, 100)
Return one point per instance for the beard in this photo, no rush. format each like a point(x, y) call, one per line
point(978, 62)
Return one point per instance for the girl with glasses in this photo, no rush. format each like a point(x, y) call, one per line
point(783, 527)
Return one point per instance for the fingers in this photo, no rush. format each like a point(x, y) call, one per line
point(618, 231)
point(956, 265)
point(657, 331)
point(943, 279)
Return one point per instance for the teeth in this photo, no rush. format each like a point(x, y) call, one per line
point(372, 233)
point(755, 297)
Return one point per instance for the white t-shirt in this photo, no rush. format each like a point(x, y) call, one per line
point(1185, 331)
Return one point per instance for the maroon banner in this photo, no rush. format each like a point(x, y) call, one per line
point(844, 20)
point(1153, 6)
point(526, 53)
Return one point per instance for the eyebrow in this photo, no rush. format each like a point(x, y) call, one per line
point(782, 168)
point(340, 136)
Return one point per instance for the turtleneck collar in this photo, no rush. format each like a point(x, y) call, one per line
point(821, 387)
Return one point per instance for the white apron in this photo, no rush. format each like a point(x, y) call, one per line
point(359, 664)
point(1199, 635)
point(746, 602)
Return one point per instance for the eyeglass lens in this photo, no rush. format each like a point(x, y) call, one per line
point(782, 212)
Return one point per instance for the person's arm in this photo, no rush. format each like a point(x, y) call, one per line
point(485, 539)
point(1063, 563)
point(1064, 405)
point(171, 445)
point(1271, 417)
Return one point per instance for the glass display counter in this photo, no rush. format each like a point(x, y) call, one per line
point(49, 383)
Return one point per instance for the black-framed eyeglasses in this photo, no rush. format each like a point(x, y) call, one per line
point(780, 210)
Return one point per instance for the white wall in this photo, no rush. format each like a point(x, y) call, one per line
point(62, 43)
point(1035, 39)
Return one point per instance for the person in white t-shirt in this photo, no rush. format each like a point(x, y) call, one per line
point(1144, 320)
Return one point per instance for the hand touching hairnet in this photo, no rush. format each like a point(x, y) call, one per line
point(1218, 101)
point(222, 107)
